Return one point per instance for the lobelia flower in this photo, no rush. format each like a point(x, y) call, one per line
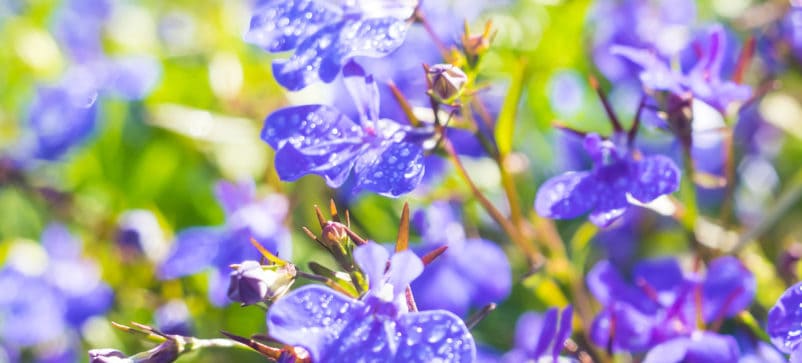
point(662, 25)
point(385, 156)
point(703, 81)
point(379, 327)
point(247, 216)
point(326, 34)
point(473, 272)
point(604, 190)
point(173, 318)
point(785, 322)
point(540, 338)
point(659, 307)
point(50, 292)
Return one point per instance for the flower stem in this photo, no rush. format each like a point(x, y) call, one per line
point(532, 254)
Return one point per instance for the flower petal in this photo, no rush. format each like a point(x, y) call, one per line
point(434, 335)
point(563, 332)
point(363, 90)
point(391, 172)
point(785, 320)
point(707, 347)
point(305, 66)
point(372, 259)
point(728, 289)
point(566, 196)
point(233, 196)
point(485, 268)
point(193, 250)
point(547, 332)
point(405, 267)
point(672, 351)
point(313, 317)
point(280, 25)
point(662, 275)
point(654, 176)
point(313, 139)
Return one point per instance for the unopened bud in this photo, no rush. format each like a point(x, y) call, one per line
point(334, 233)
point(447, 82)
point(252, 283)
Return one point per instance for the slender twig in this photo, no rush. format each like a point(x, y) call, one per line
point(531, 252)
point(419, 17)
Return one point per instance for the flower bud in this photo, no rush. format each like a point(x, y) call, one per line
point(446, 82)
point(334, 233)
point(252, 283)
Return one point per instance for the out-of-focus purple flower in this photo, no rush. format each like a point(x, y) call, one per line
point(662, 25)
point(173, 318)
point(324, 36)
point(42, 303)
point(59, 118)
point(198, 248)
point(473, 272)
point(139, 233)
point(660, 303)
point(699, 347)
point(703, 80)
point(540, 336)
point(603, 191)
point(385, 156)
point(336, 328)
point(566, 93)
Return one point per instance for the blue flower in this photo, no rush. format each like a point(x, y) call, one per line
point(324, 36)
point(660, 303)
point(785, 321)
point(198, 248)
point(377, 328)
point(386, 157)
point(699, 347)
point(540, 336)
point(603, 191)
point(59, 118)
point(50, 301)
point(473, 272)
point(703, 80)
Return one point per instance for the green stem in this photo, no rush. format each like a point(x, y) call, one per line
point(688, 193)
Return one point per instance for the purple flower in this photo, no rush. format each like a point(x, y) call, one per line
point(663, 25)
point(699, 347)
point(198, 248)
point(785, 320)
point(173, 318)
point(60, 117)
point(603, 191)
point(48, 301)
point(386, 157)
point(324, 35)
point(703, 80)
point(473, 272)
point(337, 328)
point(660, 303)
point(540, 336)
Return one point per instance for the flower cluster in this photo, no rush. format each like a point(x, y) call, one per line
point(656, 226)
